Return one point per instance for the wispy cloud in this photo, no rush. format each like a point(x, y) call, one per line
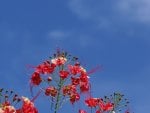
point(137, 10)
point(58, 35)
point(90, 10)
point(104, 13)
point(70, 37)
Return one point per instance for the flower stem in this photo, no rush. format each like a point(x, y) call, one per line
point(58, 95)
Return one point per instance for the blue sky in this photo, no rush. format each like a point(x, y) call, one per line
point(114, 34)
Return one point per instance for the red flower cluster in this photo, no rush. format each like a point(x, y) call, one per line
point(71, 91)
point(97, 102)
point(48, 67)
point(7, 106)
point(7, 109)
point(67, 79)
point(82, 80)
point(108, 104)
point(27, 107)
point(64, 76)
point(44, 68)
point(79, 82)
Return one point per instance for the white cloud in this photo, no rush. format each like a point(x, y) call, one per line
point(90, 10)
point(135, 9)
point(71, 37)
point(105, 13)
point(58, 35)
point(78, 7)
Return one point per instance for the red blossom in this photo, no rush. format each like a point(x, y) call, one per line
point(45, 68)
point(106, 106)
point(84, 87)
point(74, 97)
point(84, 77)
point(75, 81)
point(36, 79)
point(59, 61)
point(73, 78)
point(74, 69)
point(51, 91)
point(8, 109)
point(69, 89)
point(63, 74)
point(27, 107)
point(84, 82)
point(92, 102)
point(103, 106)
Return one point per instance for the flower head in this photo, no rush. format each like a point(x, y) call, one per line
point(106, 106)
point(28, 106)
point(74, 97)
point(65, 77)
point(36, 78)
point(7, 109)
point(92, 102)
point(59, 60)
point(45, 68)
point(69, 89)
point(51, 91)
point(63, 74)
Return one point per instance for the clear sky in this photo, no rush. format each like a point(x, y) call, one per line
point(114, 34)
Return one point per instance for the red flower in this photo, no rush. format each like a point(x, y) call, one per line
point(59, 61)
point(51, 91)
point(92, 102)
point(27, 107)
point(63, 74)
point(45, 68)
point(82, 111)
point(84, 87)
point(106, 106)
point(74, 69)
point(84, 77)
point(74, 97)
point(36, 79)
point(75, 81)
point(69, 89)
point(8, 109)
point(84, 82)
